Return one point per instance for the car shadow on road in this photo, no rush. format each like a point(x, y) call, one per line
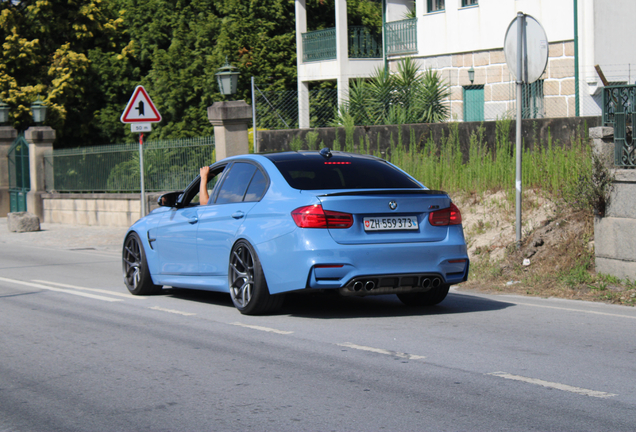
point(328, 306)
point(210, 297)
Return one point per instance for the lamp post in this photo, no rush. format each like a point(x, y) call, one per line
point(230, 118)
point(227, 78)
point(471, 74)
point(4, 113)
point(40, 139)
point(39, 111)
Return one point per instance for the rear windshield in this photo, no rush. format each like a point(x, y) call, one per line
point(344, 172)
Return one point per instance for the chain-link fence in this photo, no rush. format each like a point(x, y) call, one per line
point(168, 165)
point(279, 109)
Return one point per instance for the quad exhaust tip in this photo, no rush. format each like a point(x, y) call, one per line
point(369, 285)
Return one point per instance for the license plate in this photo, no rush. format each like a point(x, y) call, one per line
point(390, 223)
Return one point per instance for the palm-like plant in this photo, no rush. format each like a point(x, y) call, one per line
point(405, 97)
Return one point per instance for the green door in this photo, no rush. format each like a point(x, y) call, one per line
point(19, 181)
point(474, 103)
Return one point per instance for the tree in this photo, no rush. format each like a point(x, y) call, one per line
point(45, 52)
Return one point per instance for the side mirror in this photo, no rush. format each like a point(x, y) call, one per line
point(169, 199)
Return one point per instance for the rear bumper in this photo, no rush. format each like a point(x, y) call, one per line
point(312, 259)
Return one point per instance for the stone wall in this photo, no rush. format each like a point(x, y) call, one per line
point(614, 239)
point(535, 132)
point(118, 210)
point(491, 72)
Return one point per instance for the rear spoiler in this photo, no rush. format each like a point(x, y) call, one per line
point(387, 192)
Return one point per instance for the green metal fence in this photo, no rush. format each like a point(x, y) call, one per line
point(364, 42)
point(320, 45)
point(168, 165)
point(619, 111)
point(19, 180)
point(401, 36)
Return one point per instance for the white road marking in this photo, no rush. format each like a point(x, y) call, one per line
point(157, 308)
point(265, 329)
point(558, 386)
point(382, 351)
point(128, 296)
point(574, 310)
point(77, 293)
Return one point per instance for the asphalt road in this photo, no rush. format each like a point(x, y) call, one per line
point(80, 354)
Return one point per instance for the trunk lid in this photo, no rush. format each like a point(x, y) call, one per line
point(389, 212)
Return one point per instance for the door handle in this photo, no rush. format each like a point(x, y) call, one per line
point(239, 214)
point(193, 220)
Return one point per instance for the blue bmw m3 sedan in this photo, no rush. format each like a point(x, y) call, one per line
point(297, 221)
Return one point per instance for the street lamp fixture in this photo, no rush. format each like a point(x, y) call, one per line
point(4, 113)
point(39, 111)
point(227, 78)
point(471, 74)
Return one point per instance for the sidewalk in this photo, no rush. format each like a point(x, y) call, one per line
point(67, 236)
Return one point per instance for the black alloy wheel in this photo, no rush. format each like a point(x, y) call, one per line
point(135, 267)
point(248, 287)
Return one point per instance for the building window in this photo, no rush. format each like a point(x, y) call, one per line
point(532, 100)
point(474, 103)
point(435, 5)
point(469, 3)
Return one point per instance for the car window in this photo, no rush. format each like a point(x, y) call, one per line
point(235, 183)
point(257, 187)
point(192, 192)
point(338, 172)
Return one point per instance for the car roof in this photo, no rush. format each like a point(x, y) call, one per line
point(314, 154)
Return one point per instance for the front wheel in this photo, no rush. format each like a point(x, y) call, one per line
point(248, 287)
point(135, 267)
point(428, 298)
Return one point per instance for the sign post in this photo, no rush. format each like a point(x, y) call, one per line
point(526, 50)
point(140, 113)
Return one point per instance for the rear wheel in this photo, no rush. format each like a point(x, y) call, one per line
point(135, 267)
point(248, 287)
point(428, 298)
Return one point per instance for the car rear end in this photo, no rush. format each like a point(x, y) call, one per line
point(369, 228)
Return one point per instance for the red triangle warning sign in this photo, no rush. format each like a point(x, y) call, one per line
point(140, 108)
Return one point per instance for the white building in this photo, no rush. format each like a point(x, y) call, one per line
point(455, 36)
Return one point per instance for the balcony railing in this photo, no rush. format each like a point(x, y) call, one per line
point(401, 36)
point(364, 43)
point(619, 110)
point(321, 44)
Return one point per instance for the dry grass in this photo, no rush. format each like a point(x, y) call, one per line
point(557, 247)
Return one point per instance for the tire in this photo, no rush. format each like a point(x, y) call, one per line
point(248, 287)
point(428, 298)
point(135, 267)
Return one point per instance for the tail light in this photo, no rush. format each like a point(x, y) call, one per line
point(447, 216)
point(315, 217)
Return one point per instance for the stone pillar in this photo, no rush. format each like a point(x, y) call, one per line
point(303, 86)
point(614, 240)
point(7, 136)
point(342, 51)
point(40, 139)
point(303, 105)
point(230, 121)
